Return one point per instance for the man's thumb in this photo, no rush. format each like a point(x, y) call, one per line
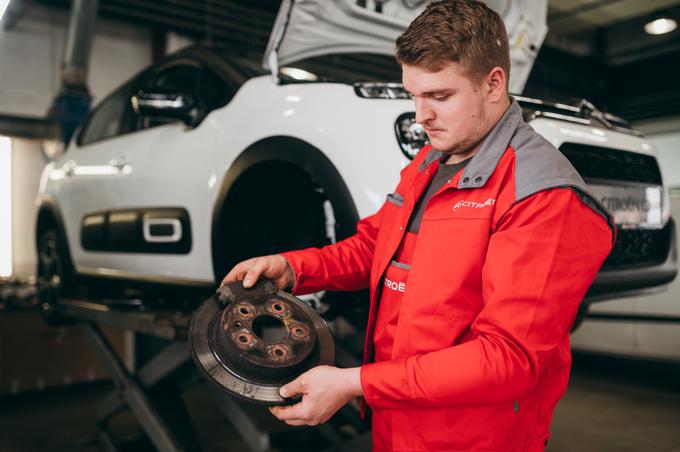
point(291, 389)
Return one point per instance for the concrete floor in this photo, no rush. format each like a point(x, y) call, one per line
point(619, 405)
point(611, 405)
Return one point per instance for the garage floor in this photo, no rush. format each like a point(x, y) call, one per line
point(611, 405)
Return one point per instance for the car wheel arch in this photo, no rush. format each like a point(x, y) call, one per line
point(288, 151)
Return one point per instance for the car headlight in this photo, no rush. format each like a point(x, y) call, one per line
point(410, 135)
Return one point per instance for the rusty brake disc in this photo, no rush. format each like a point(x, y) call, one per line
point(250, 342)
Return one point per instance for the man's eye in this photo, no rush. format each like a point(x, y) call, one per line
point(440, 98)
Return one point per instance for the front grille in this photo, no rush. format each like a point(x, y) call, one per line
point(593, 162)
point(639, 247)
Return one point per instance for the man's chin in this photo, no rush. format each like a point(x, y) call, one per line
point(446, 148)
point(440, 145)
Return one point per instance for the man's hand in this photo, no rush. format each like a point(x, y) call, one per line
point(274, 267)
point(324, 391)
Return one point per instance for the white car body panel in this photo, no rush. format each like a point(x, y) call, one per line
point(158, 153)
point(212, 148)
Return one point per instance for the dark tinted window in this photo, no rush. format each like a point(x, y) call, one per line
point(209, 90)
point(213, 92)
point(109, 119)
point(182, 78)
point(348, 68)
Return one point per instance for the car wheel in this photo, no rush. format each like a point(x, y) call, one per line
point(273, 208)
point(277, 207)
point(55, 277)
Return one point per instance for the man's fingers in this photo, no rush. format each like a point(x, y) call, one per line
point(293, 413)
point(296, 423)
point(236, 274)
point(293, 388)
point(253, 274)
point(247, 271)
point(250, 271)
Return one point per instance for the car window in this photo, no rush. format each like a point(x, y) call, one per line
point(213, 92)
point(347, 68)
point(182, 78)
point(109, 119)
point(208, 89)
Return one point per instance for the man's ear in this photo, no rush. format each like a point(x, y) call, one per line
point(497, 84)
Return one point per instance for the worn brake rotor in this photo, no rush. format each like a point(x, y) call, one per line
point(250, 342)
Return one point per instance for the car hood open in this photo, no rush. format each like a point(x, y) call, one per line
point(310, 28)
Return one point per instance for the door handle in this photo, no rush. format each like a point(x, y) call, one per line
point(69, 168)
point(120, 163)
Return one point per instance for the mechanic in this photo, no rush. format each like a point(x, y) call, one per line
point(476, 264)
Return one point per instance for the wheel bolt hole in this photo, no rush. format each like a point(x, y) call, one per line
point(278, 307)
point(244, 311)
point(237, 324)
point(298, 332)
point(278, 352)
point(243, 339)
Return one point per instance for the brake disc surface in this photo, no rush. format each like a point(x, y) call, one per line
point(250, 342)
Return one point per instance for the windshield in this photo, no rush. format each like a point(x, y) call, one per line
point(343, 68)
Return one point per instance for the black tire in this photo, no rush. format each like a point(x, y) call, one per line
point(55, 276)
point(277, 207)
point(272, 208)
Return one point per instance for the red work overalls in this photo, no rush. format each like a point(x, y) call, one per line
point(393, 288)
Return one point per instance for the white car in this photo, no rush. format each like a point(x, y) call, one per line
point(204, 160)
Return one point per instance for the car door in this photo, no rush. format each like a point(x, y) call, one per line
point(159, 203)
point(93, 166)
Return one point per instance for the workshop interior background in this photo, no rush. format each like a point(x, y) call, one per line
point(59, 391)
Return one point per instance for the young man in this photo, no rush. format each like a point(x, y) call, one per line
point(476, 264)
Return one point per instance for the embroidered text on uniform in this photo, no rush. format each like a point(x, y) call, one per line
point(474, 205)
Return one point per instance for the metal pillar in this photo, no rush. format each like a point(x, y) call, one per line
point(79, 44)
point(73, 102)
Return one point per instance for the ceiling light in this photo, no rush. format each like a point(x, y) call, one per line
point(660, 26)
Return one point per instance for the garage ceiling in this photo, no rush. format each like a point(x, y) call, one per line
point(599, 42)
point(608, 29)
point(573, 16)
point(245, 23)
point(611, 30)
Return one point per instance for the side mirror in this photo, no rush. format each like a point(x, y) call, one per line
point(164, 104)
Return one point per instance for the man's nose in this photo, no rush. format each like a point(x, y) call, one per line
point(423, 111)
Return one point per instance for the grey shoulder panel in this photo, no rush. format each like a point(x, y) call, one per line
point(539, 166)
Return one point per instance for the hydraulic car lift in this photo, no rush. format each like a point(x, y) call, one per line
point(155, 401)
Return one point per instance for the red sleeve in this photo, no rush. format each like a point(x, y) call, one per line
point(541, 259)
point(345, 265)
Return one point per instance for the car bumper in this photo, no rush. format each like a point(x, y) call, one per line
point(615, 283)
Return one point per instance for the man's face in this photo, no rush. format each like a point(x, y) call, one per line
point(450, 106)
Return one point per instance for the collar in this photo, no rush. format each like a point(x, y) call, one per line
point(494, 145)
